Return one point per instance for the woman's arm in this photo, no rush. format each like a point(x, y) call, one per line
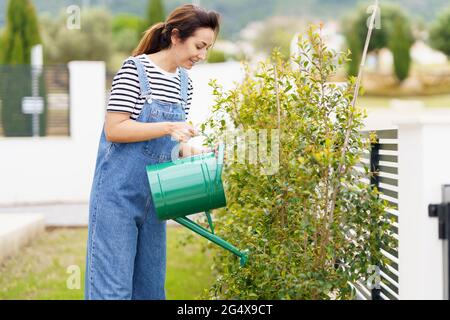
point(120, 128)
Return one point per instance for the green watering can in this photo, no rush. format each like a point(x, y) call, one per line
point(191, 185)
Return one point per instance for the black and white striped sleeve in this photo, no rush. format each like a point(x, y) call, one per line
point(125, 89)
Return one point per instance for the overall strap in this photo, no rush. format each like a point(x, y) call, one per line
point(184, 87)
point(143, 79)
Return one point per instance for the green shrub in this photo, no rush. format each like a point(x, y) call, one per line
point(311, 227)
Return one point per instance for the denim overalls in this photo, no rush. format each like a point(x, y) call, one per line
point(126, 250)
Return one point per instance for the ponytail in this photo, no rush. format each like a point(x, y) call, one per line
point(155, 39)
point(186, 19)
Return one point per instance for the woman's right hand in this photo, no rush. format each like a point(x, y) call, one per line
point(181, 131)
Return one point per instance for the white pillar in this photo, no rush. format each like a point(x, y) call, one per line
point(87, 99)
point(87, 114)
point(424, 166)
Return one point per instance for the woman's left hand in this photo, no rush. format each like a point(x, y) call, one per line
point(215, 149)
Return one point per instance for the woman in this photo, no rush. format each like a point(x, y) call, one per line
point(145, 124)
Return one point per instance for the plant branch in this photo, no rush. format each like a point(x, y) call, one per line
point(351, 111)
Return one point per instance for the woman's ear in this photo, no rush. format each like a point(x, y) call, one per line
point(175, 36)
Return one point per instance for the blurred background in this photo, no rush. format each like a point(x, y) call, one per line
point(408, 58)
point(57, 62)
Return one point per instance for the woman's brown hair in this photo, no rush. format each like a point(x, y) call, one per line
point(186, 19)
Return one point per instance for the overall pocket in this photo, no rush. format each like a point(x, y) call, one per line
point(160, 149)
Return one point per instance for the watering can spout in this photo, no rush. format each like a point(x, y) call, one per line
point(244, 258)
point(213, 238)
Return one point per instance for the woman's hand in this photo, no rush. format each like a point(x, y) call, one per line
point(181, 131)
point(188, 150)
point(216, 151)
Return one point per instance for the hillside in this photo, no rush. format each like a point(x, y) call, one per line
point(237, 13)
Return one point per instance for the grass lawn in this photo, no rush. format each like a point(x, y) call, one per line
point(40, 271)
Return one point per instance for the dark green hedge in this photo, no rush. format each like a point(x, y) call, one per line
point(15, 83)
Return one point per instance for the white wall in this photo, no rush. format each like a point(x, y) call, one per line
point(225, 73)
point(58, 169)
point(424, 166)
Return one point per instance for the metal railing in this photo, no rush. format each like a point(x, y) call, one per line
point(383, 164)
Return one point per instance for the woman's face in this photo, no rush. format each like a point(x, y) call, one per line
point(194, 48)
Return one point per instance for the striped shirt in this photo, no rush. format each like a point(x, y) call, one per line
point(165, 86)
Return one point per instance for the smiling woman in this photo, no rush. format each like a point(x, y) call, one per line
point(165, 51)
point(145, 124)
point(184, 52)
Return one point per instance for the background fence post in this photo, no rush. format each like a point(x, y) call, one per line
point(374, 182)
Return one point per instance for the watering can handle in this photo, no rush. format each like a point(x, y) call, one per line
point(221, 154)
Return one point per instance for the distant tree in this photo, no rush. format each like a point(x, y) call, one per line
point(125, 21)
point(277, 32)
point(2, 43)
point(393, 24)
point(155, 13)
point(125, 32)
point(400, 44)
point(20, 35)
point(93, 41)
point(354, 43)
point(21, 32)
point(440, 33)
